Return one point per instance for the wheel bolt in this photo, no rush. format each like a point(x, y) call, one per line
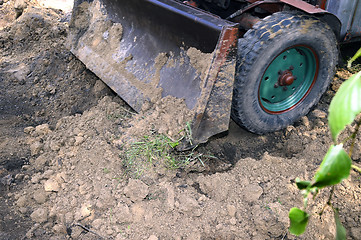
point(291, 68)
point(284, 88)
point(276, 85)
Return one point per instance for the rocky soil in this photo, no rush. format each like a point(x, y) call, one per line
point(67, 173)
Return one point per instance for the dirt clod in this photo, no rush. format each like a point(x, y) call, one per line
point(40, 215)
point(136, 190)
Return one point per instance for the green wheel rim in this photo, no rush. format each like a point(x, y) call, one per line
point(288, 79)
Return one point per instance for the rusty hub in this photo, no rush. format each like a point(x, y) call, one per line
point(286, 78)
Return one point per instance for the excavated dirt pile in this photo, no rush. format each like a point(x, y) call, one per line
point(64, 157)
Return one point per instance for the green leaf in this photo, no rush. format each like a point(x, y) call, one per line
point(334, 168)
point(340, 230)
point(302, 184)
point(173, 144)
point(357, 55)
point(345, 105)
point(299, 220)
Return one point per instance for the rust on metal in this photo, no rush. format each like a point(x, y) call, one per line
point(191, 3)
point(214, 107)
point(269, 5)
point(246, 20)
point(286, 78)
point(322, 4)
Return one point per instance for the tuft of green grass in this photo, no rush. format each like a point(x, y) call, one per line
point(150, 148)
point(183, 160)
point(158, 150)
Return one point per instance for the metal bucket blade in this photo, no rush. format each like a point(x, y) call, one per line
point(141, 49)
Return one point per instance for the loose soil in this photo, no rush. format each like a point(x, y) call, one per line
point(64, 167)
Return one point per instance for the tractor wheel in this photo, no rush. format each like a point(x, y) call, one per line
point(284, 65)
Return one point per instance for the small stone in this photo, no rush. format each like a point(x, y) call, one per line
point(136, 190)
point(54, 213)
point(97, 223)
point(233, 221)
point(78, 140)
point(189, 205)
point(219, 227)
point(153, 237)
point(25, 167)
point(20, 5)
point(231, 210)
point(40, 162)
point(19, 176)
point(138, 212)
point(61, 177)
point(40, 215)
point(122, 213)
point(48, 173)
point(55, 146)
point(35, 179)
point(84, 212)
point(109, 231)
point(120, 236)
point(50, 89)
point(42, 129)
point(320, 123)
point(40, 196)
point(170, 197)
point(29, 130)
point(51, 186)
point(252, 192)
point(22, 70)
point(30, 234)
point(83, 189)
point(306, 122)
point(289, 130)
point(23, 210)
point(22, 201)
point(36, 147)
point(60, 229)
point(99, 86)
point(319, 113)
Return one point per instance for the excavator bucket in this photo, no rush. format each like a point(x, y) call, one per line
point(143, 50)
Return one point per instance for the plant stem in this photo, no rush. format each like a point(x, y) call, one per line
point(356, 168)
point(353, 136)
point(328, 201)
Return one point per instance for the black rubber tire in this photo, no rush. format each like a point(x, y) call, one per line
point(257, 49)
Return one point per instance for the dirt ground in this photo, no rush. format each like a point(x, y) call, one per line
point(64, 174)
